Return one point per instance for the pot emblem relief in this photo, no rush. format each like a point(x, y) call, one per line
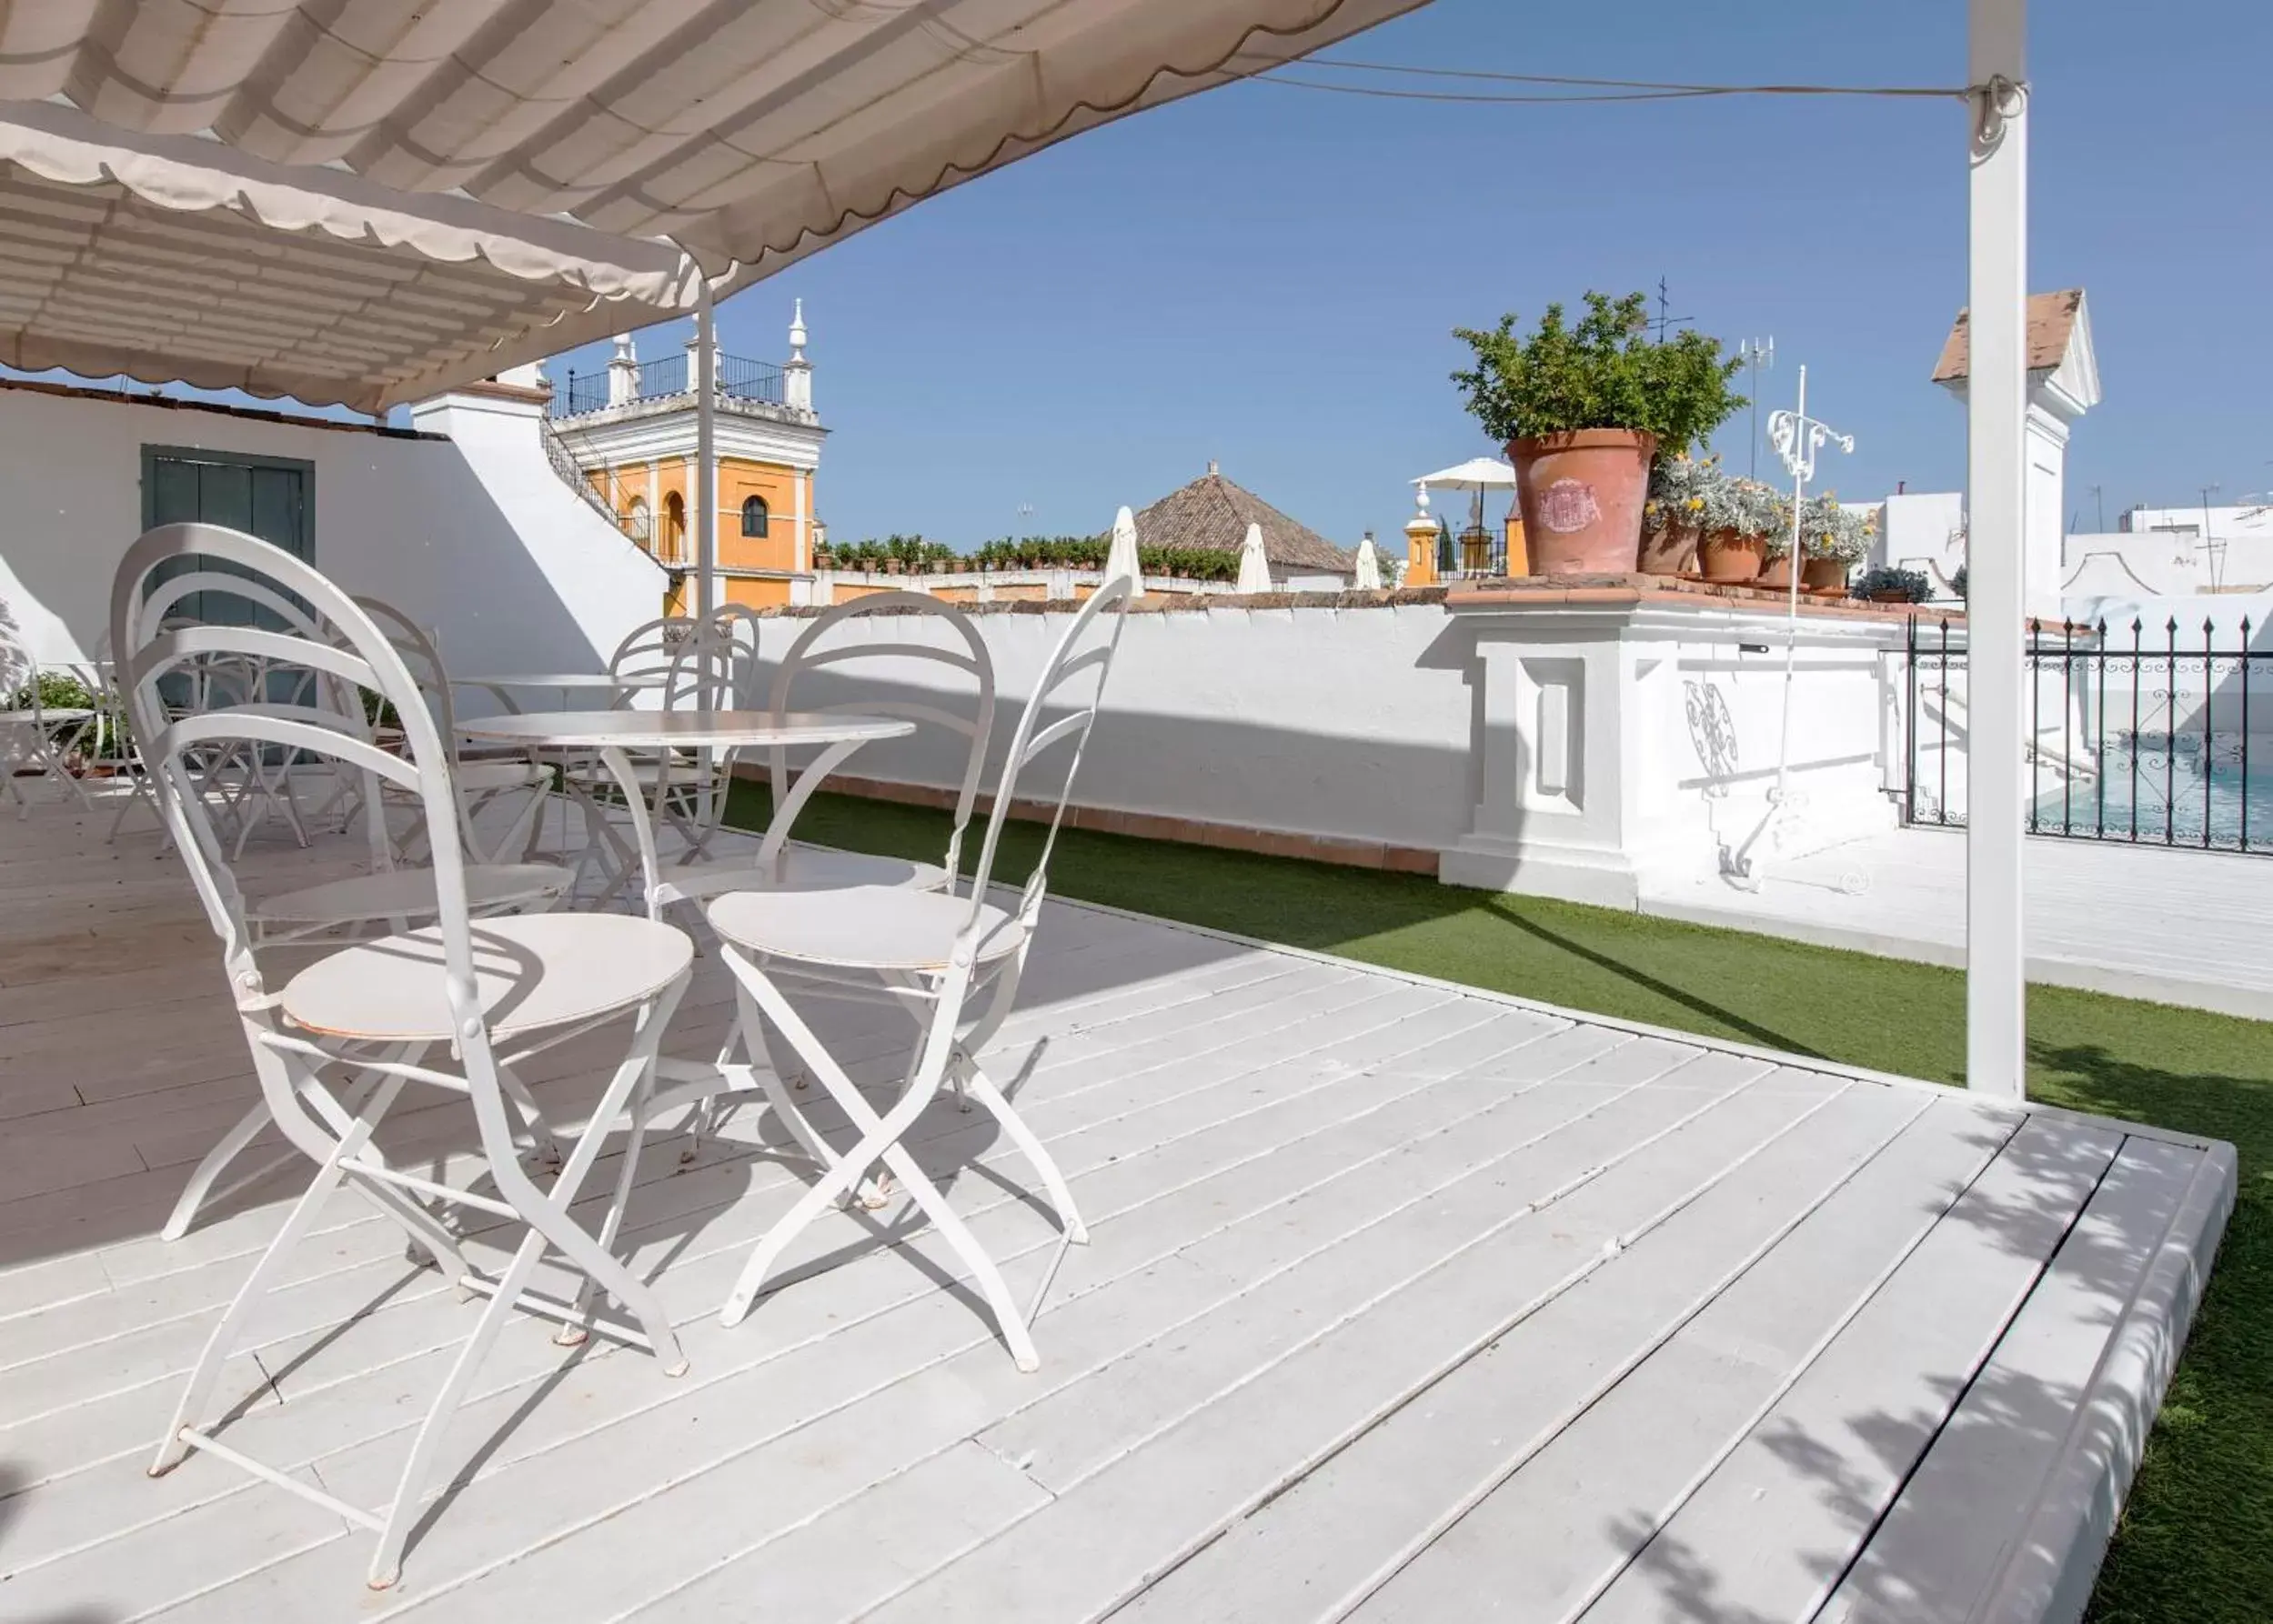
point(1568, 504)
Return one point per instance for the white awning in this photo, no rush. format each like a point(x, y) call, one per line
point(363, 201)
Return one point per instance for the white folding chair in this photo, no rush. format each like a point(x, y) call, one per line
point(511, 782)
point(685, 669)
point(487, 994)
point(853, 634)
point(249, 786)
point(951, 961)
point(392, 896)
point(34, 735)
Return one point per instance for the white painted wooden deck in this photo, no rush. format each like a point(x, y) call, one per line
point(1403, 1303)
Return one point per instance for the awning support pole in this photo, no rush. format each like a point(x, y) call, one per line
point(706, 458)
point(1996, 421)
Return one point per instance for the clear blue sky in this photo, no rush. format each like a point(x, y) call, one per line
point(1268, 277)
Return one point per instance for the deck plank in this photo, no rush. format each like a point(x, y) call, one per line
point(1139, 1497)
point(1935, 1554)
point(1770, 1532)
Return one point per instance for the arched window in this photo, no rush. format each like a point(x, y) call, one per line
point(674, 519)
point(638, 523)
point(754, 516)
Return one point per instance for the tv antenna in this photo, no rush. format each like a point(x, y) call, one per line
point(1664, 306)
point(1756, 353)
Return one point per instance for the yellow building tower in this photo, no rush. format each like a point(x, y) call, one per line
point(630, 431)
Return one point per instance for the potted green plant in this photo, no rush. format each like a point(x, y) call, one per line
point(1673, 518)
point(1740, 518)
point(1831, 541)
point(1839, 539)
point(1582, 409)
point(1887, 585)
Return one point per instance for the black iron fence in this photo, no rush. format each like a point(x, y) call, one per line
point(2135, 734)
point(581, 394)
point(740, 378)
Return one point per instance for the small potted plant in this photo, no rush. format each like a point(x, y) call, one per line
point(1830, 541)
point(1742, 520)
point(1673, 518)
point(1887, 585)
point(1582, 409)
point(1836, 540)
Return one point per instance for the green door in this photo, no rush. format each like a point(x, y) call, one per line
point(270, 497)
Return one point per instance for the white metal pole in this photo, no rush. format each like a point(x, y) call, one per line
point(1791, 599)
point(706, 460)
point(1995, 424)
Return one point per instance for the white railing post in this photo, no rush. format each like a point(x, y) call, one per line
point(1996, 480)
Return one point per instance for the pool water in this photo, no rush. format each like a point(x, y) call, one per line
point(2150, 794)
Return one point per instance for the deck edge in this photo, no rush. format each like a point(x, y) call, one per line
point(2049, 1576)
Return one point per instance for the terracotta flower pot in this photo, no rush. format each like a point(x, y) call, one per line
point(1823, 575)
point(1775, 573)
point(1580, 494)
point(1729, 558)
point(1671, 551)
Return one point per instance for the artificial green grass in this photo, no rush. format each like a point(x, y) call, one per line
point(2196, 1545)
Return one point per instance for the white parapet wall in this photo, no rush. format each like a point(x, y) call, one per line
point(1516, 740)
point(465, 527)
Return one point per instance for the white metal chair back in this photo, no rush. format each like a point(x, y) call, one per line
point(1080, 663)
point(336, 652)
point(239, 679)
point(32, 732)
point(478, 782)
point(18, 670)
point(653, 654)
point(822, 646)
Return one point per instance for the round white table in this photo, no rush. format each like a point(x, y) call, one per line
point(610, 733)
point(717, 733)
point(589, 686)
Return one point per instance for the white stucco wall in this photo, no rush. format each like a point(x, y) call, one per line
point(1923, 530)
point(1538, 750)
point(474, 537)
point(1352, 724)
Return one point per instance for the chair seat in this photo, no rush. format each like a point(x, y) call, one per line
point(877, 927)
point(531, 971)
point(408, 893)
point(807, 869)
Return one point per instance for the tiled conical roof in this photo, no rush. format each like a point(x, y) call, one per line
point(1214, 512)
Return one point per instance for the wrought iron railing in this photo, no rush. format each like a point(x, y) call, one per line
point(588, 393)
point(1475, 555)
point(565, 464)
point(740, 378)
point(2140, 735)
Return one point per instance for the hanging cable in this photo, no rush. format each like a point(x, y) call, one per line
point(1266, 71)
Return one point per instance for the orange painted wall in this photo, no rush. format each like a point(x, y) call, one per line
point(737, 481)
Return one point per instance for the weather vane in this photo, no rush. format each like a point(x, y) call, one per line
point(1796, 438)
